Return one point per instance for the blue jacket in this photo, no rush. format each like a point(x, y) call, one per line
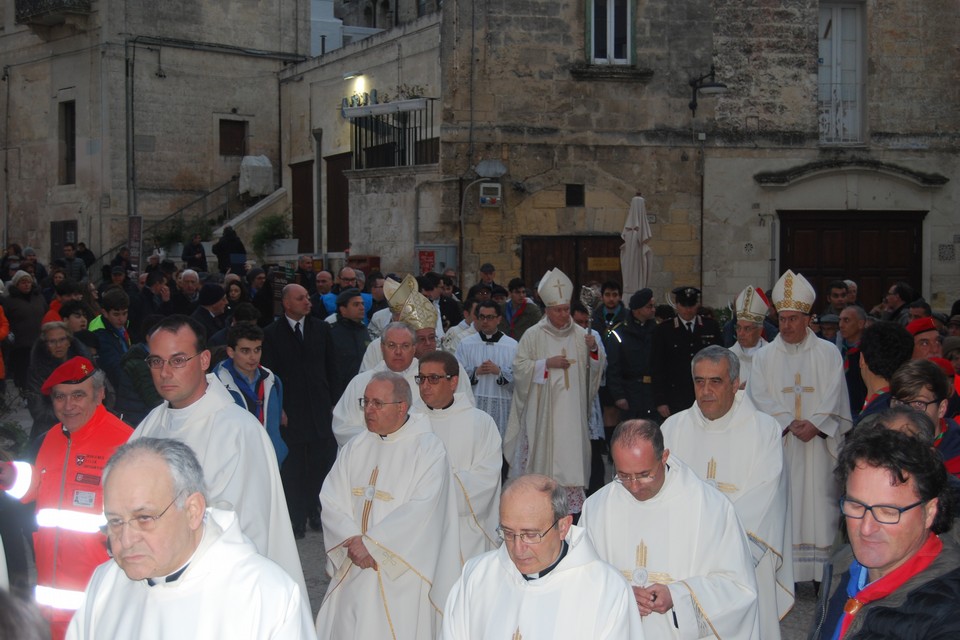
point(272, 402)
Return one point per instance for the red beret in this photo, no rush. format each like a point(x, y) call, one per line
point(921, 325)
point(945, 365)
point(73, 371)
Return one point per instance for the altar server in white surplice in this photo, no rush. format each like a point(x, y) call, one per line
point(735, 448)
point(677, 539)
point(557, 373)
point(545, 582)
point(180, 569)
point(487, 354)
point(798, 379)
point(390, 524)
point(473, 447)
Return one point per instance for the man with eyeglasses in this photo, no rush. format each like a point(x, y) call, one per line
point(234, 450)
point(389, 523)
point(473, 447)
point(488, 356)
point(66, 483)
point(922, 385)
point(751, 308)
point(181, 569)
point(545, 582)
point(677, 540)
point(735, 448)
point(899, 576)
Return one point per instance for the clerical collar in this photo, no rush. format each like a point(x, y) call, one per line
point(492, 338)
point(564, 547)
point(173, 577)
point(443, 408)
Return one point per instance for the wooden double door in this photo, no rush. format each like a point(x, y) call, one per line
point(582, 258)
point(872, 248)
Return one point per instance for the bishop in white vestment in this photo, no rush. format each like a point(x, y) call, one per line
point(737, 449)
point(677, 539)
point(390, 525)
point(798, 379)
point(557, 373)
point(473, 448)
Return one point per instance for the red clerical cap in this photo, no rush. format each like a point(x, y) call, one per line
point(73, 371)
point(921, 325)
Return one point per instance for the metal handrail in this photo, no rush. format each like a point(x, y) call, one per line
point(206, 215)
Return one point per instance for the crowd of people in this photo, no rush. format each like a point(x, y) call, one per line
point(501, 461)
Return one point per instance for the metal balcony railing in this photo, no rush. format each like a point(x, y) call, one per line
point(49, 12)
point(840, 113)
point(396, 134)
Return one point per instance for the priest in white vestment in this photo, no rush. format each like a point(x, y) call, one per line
point(751, 310)
point(390, 524)
point(455, 335)
point(399, 349)
point(737, 449)
point(545, 582)
point(488, 354)
point(406, 304)
point(677, 539)
point(799, 380)
point(238, 460)
point(180, 569)
point(473, 447)
point(557, 373)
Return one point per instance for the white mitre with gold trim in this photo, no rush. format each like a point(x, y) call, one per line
point(419, 312)
point(555, 288)
point(752, 305)
point(397, 293)
point(793, 293)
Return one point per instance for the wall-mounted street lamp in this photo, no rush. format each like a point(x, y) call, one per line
point(705, 85)
point(350, 75)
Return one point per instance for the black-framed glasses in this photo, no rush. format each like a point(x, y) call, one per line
point(374, 403)
point(433, 378)
point(142, 522)
point(484, 316)
point(882, 513)
point(526, 537)
point(177, 362)
point(919, 405)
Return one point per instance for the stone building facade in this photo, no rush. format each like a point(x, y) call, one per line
point(113, 108)
point(833, 150)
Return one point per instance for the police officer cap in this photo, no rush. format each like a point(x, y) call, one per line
point(687, 296)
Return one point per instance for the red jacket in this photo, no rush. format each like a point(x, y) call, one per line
point(66, 483)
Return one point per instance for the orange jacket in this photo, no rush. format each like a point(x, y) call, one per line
point(66, 483)
point(4, 332)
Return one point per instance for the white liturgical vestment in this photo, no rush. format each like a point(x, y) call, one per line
point(806, 381)
point(547, 429)
point(348, 418)
point(582, 597)
point(239, 467)
point(741, 455)
point(746, 359)
point(395, 491)
point(493, 393)
point(228, 590)
point(687, 537)
point(473, 447)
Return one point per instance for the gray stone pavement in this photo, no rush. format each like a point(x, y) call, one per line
point(313, 557)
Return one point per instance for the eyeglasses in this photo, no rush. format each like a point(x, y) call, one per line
point(375, 404)
point(919, 405)
point(395, 346)
point(484, 316)
point(434, 379)
point(641, 478)
point(882, 513)
point(177, 362)
point(137, 523)
point(526, 537)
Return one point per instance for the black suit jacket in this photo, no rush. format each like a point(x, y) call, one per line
point(673, 350)
point(308, 373)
